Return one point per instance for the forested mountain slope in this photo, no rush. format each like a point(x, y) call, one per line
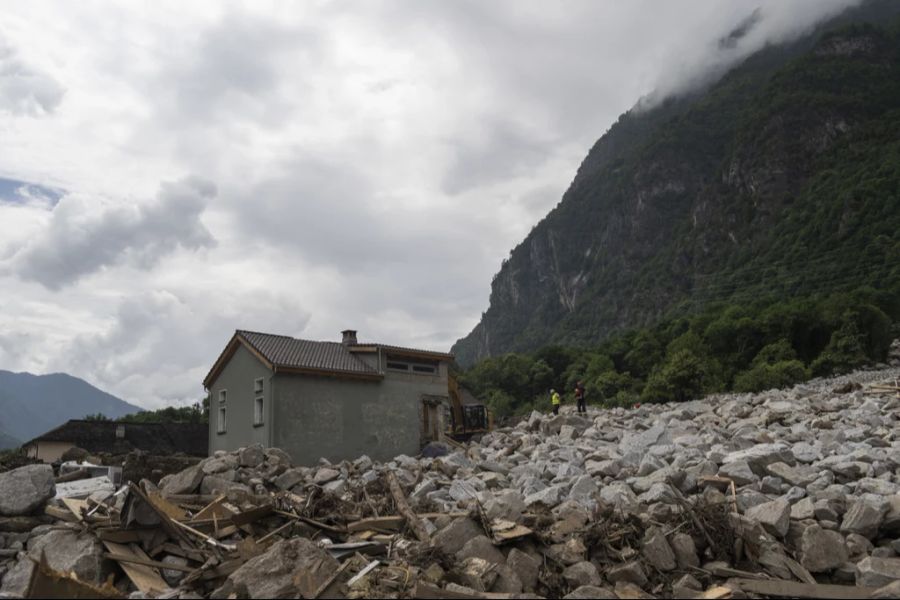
point(780, 180)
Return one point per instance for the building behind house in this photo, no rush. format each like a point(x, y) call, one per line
point(316, 399)
point(113, 437)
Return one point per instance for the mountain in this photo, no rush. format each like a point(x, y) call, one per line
point(779, 180)
point(33, 404)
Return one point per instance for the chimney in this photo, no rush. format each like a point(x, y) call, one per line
point(349, 337)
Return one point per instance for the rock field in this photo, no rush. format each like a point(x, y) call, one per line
point(730, 496)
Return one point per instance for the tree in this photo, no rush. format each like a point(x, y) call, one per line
point(97, 417)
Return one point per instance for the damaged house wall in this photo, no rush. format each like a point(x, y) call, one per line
point(345, 418)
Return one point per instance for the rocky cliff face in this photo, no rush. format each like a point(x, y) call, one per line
point(739, 191)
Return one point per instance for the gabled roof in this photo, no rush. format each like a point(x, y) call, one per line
point(154, 438)
point(284, 353)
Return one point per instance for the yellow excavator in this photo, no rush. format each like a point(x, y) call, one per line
point(467, 417)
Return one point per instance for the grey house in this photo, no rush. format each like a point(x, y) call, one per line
point(336, 400)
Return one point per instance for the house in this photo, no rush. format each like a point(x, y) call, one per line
point(337, 400)
point(115, 437)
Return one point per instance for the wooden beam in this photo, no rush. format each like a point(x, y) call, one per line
point(403, 508)
point(142, 576)
point(124, 558)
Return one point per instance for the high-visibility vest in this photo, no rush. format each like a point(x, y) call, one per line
point(555, 398)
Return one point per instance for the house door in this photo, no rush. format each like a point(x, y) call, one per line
point(431, 421)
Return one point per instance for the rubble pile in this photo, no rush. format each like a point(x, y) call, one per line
point(792, 493)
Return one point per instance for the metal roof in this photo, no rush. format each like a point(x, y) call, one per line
point(287, 352)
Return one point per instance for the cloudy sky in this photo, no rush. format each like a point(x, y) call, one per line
point(172, 171)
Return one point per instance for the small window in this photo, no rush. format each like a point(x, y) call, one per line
point(258, 411)
point(258, 386)
point(220, 422)
point(424, 368)
point(397, 366)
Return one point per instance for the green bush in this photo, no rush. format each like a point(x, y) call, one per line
point(609, 384)
point(843, 353)
point(765, 376)
point(682, 377)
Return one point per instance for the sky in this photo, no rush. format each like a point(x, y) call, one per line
point(173, 171)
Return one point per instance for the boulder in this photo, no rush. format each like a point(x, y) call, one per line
point(324, 475)
point(71, 551)
point(587, 592)
point(822, 550)
point(288, 569)
point(26, 489)
point(740, 472)
point(454, 536)
point(581, 574)
point(251, 456)
point(656, 550)
point(877, 572)
point(685, 551)
point(289, 479)
point(525, 567)
point(481, 547)
point(630, 572)
point(864, 518)
point(185, 482)
point(17, 579)
point(775, 516)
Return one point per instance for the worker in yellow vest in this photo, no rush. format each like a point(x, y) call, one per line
point(555, 401)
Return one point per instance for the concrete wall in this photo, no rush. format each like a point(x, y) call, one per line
point(237, 378)
point(344, 418)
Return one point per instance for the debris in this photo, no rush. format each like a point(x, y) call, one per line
point(707, 499)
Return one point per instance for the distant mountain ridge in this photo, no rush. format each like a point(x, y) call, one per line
point(33, 404)
point(779, 180)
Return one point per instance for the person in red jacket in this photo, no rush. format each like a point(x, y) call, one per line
point(579, 397)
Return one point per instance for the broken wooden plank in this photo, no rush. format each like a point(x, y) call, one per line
point(265, 539)
point(322, 589)
point(718, 592)
point(209, 540)
point(144, 577)
point(252, 515)
point(125, 558)
point(405, 511)
point(194, 555)
point(61, 514)
point(392, 523)
point(215, 508)
point(363, 572)
point(119, 536)
point(727, 572)
point(134, 510)
point(792, 589)
point(223, 570)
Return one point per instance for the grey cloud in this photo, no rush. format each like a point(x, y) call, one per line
point(24, 89)
point(79, 239)
point(496, 152)
point(162, 342)
point(234, 70)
